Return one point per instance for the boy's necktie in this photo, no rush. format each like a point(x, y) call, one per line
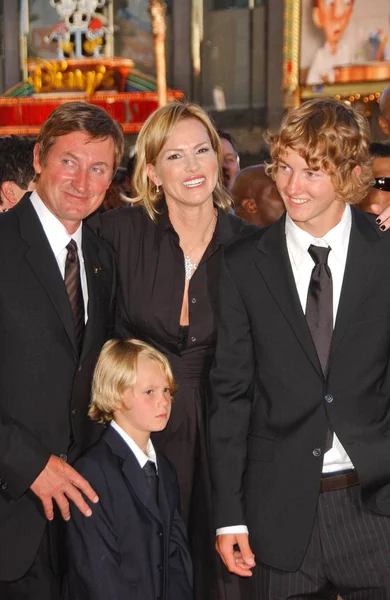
point(151, 475)
point(319, 311)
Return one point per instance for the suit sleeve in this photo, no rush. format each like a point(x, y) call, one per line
point(22, 457)
point(232, 378)
point(180, 564)
point(93, 554)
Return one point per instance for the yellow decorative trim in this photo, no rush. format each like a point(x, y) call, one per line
point(291, 47)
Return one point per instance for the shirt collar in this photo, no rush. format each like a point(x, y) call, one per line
point(55, 231)
point(298, 240)
point(141, 457)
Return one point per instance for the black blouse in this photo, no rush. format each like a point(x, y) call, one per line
point(152, 277)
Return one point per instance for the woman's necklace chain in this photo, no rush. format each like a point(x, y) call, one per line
point(188, 264)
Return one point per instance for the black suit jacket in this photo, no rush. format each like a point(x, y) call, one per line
point(44, 384)
point(130, 548)
point(270, 416)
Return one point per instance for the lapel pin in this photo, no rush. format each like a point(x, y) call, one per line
point(96, 270)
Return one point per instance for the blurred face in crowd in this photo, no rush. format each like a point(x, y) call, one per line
point(230, 164)
point(187, 166)
point(380, 194)
point(333, 17)
point(256, 197)
point(309, 196)
point(11, 193)
point(75, 176)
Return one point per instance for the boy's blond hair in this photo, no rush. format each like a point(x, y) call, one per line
point(116, 371)
point(329, 135)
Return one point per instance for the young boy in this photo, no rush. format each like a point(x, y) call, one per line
point(134, 545)
point(300, 421)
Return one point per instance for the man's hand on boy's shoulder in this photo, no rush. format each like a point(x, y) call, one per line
point(60, 482)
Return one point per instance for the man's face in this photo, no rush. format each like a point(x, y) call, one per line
point(381, 168)
point(309, 196)
point(75, 176)
point(333, 17)
point(230, 163)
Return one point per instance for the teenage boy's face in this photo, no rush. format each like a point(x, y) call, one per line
point(309, 196)
point(147, 405)
point(333, 17)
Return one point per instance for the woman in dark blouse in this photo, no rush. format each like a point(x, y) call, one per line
point(168, 250)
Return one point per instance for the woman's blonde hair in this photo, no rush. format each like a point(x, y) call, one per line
point(116, 371)
point(330, 135)
point(151, 140)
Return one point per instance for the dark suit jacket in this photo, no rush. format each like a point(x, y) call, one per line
point(269, 415)
point(130, 548)
point(44, 385)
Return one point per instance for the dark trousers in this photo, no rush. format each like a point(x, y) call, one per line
point(348, 554)
point(40, 582)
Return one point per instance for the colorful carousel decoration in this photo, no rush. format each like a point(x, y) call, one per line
point(82, 70)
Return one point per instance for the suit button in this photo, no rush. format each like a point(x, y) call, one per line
point(64, 457)
point(317, 452)
point(159, 533)
point(73, 412)
point(4, 485)
point(329, 398)
point(159, 567)
point(193, 300)
point(193, 339)
point(79, 368)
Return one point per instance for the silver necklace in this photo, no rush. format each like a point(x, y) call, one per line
point(190, 266)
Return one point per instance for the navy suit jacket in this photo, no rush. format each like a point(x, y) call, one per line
point(130, 548)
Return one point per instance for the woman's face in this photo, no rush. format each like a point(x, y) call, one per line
point(187, 166)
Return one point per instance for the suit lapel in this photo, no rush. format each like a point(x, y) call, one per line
point(43, 262)
point(90, 255)
point(132, 472)
point(275, 268)
point(358, 271)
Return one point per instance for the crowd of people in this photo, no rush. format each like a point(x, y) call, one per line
point(194, 403)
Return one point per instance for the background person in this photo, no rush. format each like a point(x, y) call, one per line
point(57, 309)
point(168, 248)
point(384, 108)
point(134, 545)
point(378, 197)
point(230, 158)
point(16, 169)
point(256, 197)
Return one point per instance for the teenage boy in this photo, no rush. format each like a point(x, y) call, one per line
point(300, 422)
point(134, 544)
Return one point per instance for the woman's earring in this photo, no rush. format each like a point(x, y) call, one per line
point(157, 188)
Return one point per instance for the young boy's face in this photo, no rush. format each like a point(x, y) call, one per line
point(333, 17)
point(147, 405)
point(309, 196)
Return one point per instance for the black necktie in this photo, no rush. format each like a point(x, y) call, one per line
point(319, 311)
point(73, 287)
point(151, 475)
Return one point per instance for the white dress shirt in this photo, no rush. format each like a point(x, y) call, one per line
point(59, 238)
point(298, 242)
point(141, 457)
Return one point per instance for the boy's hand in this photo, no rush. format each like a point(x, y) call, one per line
point(60, 482)
point(383, 219)
point(239, 561)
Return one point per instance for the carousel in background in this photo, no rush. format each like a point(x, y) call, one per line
point(85, 68)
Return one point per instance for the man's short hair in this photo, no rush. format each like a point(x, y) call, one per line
point(116, 371)
point(379, 150)
point(86, 118)
point(224, 135)
point(16, 160)
point(329, 135)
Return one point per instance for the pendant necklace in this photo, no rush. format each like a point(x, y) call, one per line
point(188, 264)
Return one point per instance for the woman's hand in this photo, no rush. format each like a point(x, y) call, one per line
point(383, 219)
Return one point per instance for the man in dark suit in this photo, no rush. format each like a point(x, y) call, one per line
point(300, 425)
point(57, 296)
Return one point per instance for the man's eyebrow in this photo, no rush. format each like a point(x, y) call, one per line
point(75, 157)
